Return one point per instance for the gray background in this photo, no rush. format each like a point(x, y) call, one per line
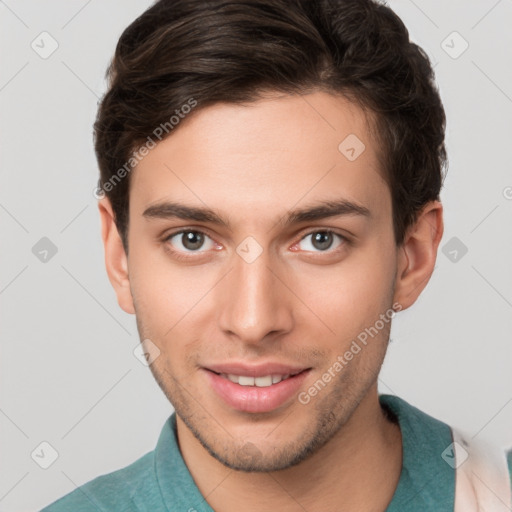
point(68, 373)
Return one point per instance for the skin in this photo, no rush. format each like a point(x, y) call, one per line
point(297, 303)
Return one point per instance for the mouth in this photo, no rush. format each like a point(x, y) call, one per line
point(261, 382)
point(256, 389)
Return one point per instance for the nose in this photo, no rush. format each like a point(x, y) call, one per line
point(255, 304)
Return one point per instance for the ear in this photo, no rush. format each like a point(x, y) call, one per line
point(417, 255)
point(116, 261)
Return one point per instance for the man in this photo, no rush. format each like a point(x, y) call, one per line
point(269, 199)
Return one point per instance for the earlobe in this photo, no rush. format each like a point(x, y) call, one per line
point(418, 253)
point(116, 261)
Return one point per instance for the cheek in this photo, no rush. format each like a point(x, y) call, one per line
point(165, 294)
point(350, 294)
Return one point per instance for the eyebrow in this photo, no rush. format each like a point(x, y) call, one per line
point(321, 210)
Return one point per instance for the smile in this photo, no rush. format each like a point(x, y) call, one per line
point(261, 382)
point(261, 393)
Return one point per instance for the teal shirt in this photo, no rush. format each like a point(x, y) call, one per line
point(160, 481)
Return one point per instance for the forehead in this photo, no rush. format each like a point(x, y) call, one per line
point(264, 156)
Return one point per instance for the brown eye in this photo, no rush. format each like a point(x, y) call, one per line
point(321, 241)
point(190, 241)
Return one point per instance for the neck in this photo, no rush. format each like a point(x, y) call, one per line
point(365, 454)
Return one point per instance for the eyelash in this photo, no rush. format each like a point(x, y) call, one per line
point(181, 256)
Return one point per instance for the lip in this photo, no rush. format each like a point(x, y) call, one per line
point(259, 370)
point(254, 399)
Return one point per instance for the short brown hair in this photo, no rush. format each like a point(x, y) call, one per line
point(179, 51)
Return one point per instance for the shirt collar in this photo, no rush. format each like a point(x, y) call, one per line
point(177, 486)
point(426, 479)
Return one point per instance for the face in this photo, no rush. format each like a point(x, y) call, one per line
point(259, 252)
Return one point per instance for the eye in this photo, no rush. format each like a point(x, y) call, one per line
point(321, 241)
point(190, 241)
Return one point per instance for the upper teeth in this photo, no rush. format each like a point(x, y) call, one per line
point(245, 380)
